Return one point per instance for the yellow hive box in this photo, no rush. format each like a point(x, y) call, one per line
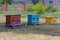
point(51, 20)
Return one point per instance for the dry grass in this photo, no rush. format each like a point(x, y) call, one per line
point(42, 32)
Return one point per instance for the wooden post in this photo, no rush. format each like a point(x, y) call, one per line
point(23, 7)
point(5, 6)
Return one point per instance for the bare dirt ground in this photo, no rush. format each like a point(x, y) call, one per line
point(40, 32)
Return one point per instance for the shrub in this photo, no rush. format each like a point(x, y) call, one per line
point(39, 8)
point(6, 1)
point(51, 8)
point(29, 8)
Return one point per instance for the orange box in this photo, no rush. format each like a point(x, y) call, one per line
point(51, 20)
point(13, 19)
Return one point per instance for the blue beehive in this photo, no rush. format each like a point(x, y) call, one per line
point(33, 19)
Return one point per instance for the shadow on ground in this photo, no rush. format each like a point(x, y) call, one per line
point(53, 30)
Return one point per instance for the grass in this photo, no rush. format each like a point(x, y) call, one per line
point(40, 32)
point(16, 9)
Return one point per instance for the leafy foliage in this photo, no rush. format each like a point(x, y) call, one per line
point(39, 8)
point(29, 8)
point(51, 8)
point(5, 1)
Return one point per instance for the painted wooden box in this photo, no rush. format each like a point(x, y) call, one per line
point(51, 20)
point(33, 19)
point(13, 20)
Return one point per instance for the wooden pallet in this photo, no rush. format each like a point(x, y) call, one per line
point(50, 24)
point(16, 25)
point(34, 24)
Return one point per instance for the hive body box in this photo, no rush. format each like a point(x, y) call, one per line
point(32, 19)
point(13, 20)
point(51, 20)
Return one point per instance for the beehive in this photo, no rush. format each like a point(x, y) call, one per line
point(13, 19)
point(33, 19)
point(51, 20)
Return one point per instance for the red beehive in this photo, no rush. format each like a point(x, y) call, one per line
point(13, 19)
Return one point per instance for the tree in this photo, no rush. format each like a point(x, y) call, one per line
point(1, 1)
point(5, 1)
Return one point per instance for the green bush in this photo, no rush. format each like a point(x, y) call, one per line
point(39, 8)
point(6, 1)
point(29, 9)
point(51, 8)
